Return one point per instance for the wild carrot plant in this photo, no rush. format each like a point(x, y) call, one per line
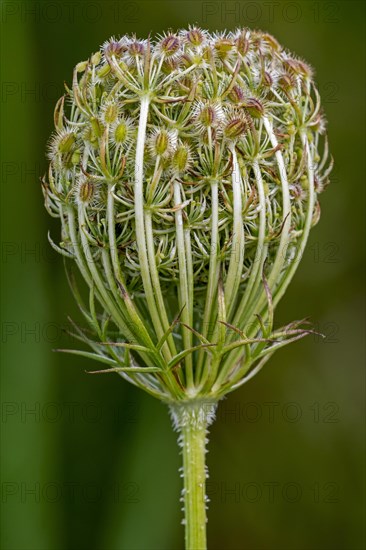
point(185, 172)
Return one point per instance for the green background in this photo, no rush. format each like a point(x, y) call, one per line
point(91, 463)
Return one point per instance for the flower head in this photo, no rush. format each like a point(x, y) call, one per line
point(186, 172)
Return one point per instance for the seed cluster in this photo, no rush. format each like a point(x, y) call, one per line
point(209, 93)
point(188, 166)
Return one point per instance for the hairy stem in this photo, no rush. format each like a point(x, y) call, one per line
point(192, 420)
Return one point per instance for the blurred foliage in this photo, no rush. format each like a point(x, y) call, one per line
point(91, 463)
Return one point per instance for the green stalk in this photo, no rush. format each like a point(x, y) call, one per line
point(286, 211)
point(192, 420)
point(140, 225)
point(307, 226)
point(213, 274)
point(155, 281)
point(193, 441)
point(241, 315)
point(237, 248)
point(184, 294)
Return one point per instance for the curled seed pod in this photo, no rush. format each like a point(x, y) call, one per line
point(113, 47)
point(208, 114)
point(242, 42)
point(109, 112)
point(195, 36)
point(62, 142)
point(86, 192)
point(122, 131)
point(96, 58)
point(169, 45)
point(223, 46)
point(236, 124)
point(160, 142)
point(181, 159)
point(254, 107)
point(136, 48)
point(236, 94)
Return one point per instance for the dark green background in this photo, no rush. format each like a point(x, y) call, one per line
point(286, 453)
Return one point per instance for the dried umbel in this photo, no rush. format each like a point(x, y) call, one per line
point(185, 172)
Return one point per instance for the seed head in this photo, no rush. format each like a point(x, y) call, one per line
point(186, 171)
point(195, 36)
point(86, 192)
point(109, 112)
point(113, 47)
point(161, 142)
point(236, 124)
point(169, 45)
point(136, 48)
point(242, 42)
point(254, 107)
point(208, 114)
point(237, 94)
point(63, 142)
point(181, 160)
point(122, 131)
